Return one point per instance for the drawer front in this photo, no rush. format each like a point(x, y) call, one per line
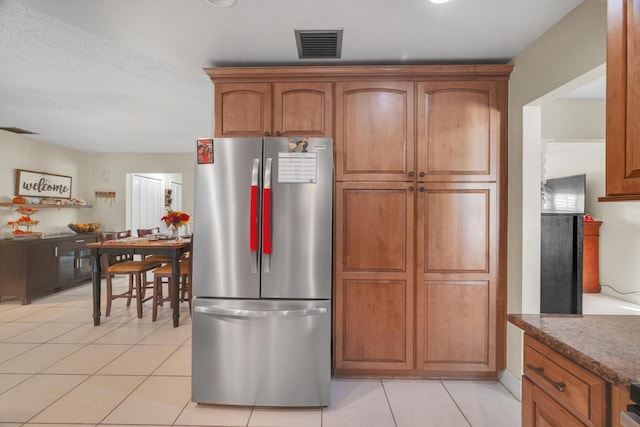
point(575, 388)
point(78, 242)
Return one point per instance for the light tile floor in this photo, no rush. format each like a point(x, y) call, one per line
point(57, 369)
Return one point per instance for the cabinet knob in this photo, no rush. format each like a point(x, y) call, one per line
point(411, 188)
point(267, 134)
point(411, 173)
point(278, 133)
point(422, 174)
point(422, 190)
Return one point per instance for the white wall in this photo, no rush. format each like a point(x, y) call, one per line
point(574, 46)
point(20, 152)
point(582, 120)
point(90, 173)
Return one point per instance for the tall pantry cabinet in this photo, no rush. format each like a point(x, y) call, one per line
point(420, 224)
point(420, 209)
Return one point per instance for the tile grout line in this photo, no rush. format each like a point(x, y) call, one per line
point(395, 423)
point(456, 403)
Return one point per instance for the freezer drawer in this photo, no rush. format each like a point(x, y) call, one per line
point(261, 352)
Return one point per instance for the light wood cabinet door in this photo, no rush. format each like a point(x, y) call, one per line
point(303, 109)
point(623, 100)
point(459, 130)
point(540, 410)
point(242, 109)
point(375, 135)
point(456, 288)
point(374, 277)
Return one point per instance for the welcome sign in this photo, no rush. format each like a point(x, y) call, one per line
point(40, 184)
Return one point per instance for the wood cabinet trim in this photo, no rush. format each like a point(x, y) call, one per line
point(334, 73)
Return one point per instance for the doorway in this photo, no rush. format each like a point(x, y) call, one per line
point(149, 197)
point(564, 135)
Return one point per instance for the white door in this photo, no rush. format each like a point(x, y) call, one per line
point(147, 202)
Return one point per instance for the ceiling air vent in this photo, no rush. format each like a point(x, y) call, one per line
point(18, 130)
point(318, 44)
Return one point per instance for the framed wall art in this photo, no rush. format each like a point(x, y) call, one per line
point(42, 184)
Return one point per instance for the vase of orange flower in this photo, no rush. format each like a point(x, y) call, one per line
point(174, 220)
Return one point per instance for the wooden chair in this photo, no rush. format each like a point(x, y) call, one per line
point(124, 265)
point(161, 276)
point(145, 232)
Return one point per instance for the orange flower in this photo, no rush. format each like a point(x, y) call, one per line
point(175, 218)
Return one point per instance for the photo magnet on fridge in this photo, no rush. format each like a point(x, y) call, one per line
point(205, 150)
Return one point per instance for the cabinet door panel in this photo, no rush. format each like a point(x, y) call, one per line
point(303, 109)
point(456, 229)
point(66, 265)
point(374, 131)
point(42, 266)
point(376, 321)
point(374, 228)
point(456, 295)
point(458, 130)
point(455, 326)
point(85, 264)
point(374, 276)
point(242, 109)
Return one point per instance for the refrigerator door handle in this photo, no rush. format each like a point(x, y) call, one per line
point(266, 216)
point(253, 216)
point(231, 312)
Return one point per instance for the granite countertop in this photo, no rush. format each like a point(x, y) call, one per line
point(607, 345)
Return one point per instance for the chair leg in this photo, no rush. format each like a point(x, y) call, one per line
point(189, 292)
point(109, 293)
point(130, 290)
point(139, 286)
point(157, 296)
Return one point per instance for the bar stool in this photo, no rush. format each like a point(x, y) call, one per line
point(162, 275)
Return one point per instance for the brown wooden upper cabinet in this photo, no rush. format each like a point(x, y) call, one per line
point(375, 135)
point(273, 109)
point(458, 131)
point(623, 100)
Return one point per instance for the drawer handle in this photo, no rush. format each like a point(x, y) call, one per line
point(560, 386)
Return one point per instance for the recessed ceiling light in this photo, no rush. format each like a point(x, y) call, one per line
point(439, 1)
point(221, 3)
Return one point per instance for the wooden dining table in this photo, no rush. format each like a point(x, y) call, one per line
point(139, 246)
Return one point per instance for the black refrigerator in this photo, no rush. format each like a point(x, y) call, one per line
point(561, 246)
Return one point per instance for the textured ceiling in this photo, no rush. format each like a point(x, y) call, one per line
point(126, 75)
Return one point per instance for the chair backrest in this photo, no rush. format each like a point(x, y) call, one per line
point(148, 231)
point(114, 235)
point(107, 260)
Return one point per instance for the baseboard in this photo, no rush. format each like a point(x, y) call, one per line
point(511, 383)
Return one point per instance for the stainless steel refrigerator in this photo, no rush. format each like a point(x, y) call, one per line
point(262, 272)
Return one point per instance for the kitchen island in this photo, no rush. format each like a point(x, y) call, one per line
point(577, 368)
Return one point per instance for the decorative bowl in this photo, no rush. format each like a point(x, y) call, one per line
point(90, 227)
